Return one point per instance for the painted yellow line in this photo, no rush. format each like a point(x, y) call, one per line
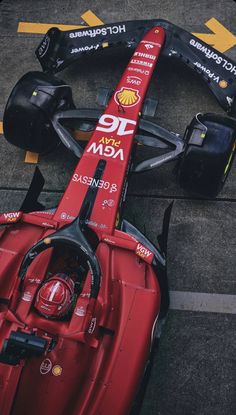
point(34, 157)
point(91, 19)
point(42, 28)
point(31, 157)
point(221, 38)
point(82, 135)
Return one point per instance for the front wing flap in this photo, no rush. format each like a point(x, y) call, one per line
point(58, 49)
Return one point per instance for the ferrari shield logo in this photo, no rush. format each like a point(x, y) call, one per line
point(127, 97)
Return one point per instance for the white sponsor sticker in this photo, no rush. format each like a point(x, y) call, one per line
point(104, 31)
point(44, 46)
point(148, 46)
point(133, 80)
point(45, 366)
point(59, 62)
point(106, 151)
point(142, 63)
point(142, 251)
point(92, 325)
point(138, 70)
point(66, 216)
point(11, 215)
point(84, 49)
point(207, 71)
point(210, 54)
point(80, 311)
point(229, 100)
point(34, 280)
point(145, 55)
point(110, 123)
point(95, 225)
point(149, 42)
point(91, 181)
point(108, 203)
point(27, 296)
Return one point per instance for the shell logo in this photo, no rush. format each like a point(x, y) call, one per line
point(223, 83)
point(127, 97)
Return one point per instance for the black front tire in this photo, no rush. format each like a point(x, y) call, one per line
point(208, 156)
point(27, 125)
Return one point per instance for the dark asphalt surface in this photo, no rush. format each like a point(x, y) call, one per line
point(194, 367)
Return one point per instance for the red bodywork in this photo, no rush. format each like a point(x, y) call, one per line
point(99, 356)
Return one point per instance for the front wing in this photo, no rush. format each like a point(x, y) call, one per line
point(58, 49)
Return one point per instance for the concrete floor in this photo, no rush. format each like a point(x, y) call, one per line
point(194, 367)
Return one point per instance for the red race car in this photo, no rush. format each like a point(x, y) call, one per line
point(81, 289)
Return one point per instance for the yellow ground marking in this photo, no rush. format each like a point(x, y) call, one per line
point(91, 19)
point(41, 28)
point(26, 27)
point(221, 39)
point(82, 135)
point(77, 134)
point(31, 157)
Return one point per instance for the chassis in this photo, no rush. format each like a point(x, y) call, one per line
point(122, 288)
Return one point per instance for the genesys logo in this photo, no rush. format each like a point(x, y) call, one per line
point(91, 181)
point(127, 97)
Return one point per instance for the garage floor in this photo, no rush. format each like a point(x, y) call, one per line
point(194, 366)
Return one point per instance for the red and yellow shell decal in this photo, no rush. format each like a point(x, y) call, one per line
point(127, 97)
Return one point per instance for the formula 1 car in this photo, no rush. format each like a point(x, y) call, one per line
point(81, 289)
